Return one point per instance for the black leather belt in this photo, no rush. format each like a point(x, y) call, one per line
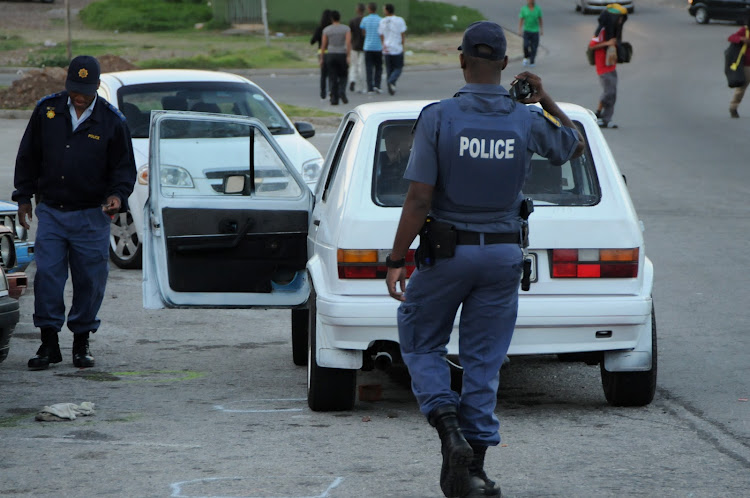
point(67, 207)
point(472, 238)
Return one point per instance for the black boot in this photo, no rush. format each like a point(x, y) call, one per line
point(81, 354)
point(48, 352)
point(457, 454)
point(481, 485)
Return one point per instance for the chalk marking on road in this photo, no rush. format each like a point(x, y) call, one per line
point(223, 408)
point(74, 440)
point(176, 487)
point(715, 434)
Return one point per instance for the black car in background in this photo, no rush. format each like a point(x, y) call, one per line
point(719, 10)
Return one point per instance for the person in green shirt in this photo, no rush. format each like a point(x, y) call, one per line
point(530, 26)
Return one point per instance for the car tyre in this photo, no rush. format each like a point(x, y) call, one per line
point(328, 389)
point(300, 324)
point(701, 15)
point(632, 388)
point(125, 249)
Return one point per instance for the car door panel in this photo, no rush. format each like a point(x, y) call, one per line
point(207, 247)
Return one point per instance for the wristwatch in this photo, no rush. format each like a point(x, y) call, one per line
point(399, 263)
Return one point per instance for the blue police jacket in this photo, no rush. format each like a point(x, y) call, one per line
point(476, 150)
point(74, 170)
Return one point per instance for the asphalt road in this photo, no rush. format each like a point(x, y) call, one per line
point(196, 403)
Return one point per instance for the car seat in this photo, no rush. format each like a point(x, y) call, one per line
point(174, 103)
point(206, 107)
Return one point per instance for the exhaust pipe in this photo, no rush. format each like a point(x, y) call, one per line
point(383, 361)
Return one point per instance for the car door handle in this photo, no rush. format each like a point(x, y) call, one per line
point(316, 223)
point(219, 244)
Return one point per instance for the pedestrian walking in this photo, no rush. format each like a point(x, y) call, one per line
point(470, 247)
point(317, 37)
point(604, 45)
point(76, 158)
point(373, 49)
point(392, 30)
point(357, 58)
point(337, 47)
point(741, 37)
point(530, 27)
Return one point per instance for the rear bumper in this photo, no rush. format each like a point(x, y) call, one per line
point(545, 324)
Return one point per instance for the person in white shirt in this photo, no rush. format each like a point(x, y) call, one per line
point(392, 31)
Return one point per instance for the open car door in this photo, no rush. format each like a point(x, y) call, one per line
point(227, 216)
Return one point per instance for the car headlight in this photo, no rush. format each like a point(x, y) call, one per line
point(9, 222)
point(174, 176)
point(8, 251)
point(311, 170)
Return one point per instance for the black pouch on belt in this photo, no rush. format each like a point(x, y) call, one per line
point(437, 240)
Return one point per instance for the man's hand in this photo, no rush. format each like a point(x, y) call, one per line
point(24, 211)
point(396, 275)
point(112, 206)
point(536, 85)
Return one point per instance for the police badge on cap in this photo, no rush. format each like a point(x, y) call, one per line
point(83, 75)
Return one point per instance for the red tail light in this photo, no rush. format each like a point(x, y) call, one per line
point(595, 263)
point(368, 263)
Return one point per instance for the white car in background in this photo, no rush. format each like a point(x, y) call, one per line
point(137, 93)
point(596, 6)
point(591, 282)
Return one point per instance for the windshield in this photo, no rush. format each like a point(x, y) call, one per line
point(573, 184)
point(137, 101)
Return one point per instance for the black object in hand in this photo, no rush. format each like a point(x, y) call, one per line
point(520, 89)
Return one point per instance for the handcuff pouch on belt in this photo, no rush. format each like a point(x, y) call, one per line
point(437, 240)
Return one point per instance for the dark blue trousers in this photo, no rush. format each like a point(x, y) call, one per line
point(75, 239)
point(485, 280)
point(530, 45)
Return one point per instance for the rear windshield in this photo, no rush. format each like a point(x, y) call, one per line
point(137, 101)
point(573, 184)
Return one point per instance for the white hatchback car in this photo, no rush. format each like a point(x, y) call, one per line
point(590, 296)
point(137, 93)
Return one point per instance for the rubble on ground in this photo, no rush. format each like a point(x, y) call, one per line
point(26, 91)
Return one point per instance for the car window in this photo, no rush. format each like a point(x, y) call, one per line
point(573, 184)
point(215, 151)
point(337, 158)
point(391, 157)
point(137, 101)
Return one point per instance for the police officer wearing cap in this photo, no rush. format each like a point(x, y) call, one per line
point(76, 158)
point(469, 159)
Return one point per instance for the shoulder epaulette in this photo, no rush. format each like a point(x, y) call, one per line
point(115, 110)
point(549, 117)
point(47, 97)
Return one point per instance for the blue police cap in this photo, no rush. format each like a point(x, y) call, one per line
point(83, 75)
point(484, 33)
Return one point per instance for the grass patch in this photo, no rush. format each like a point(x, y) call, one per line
point(306, 112)
point(144, 15)
point(57, 56)
point(11, 42)
point(438, 17)
point(262, 57)
point(15, 420)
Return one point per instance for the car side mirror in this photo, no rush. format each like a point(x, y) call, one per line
point(307, 130)
point(237, 184)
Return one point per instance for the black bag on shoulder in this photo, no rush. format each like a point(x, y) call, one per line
point(624, 52)
point(734, 65)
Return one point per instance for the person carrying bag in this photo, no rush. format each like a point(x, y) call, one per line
point(737, 66)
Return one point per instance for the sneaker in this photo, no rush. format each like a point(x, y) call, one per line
point(605, 124)
point(733, 113)
point(392, 88)
point(351, 86)
point(531, 64)
point(525, 62)
point(377, 90)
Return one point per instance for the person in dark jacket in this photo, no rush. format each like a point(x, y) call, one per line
point(741, 37)
point(317, 37)
point(76, 157)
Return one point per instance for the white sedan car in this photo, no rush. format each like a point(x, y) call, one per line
point(591, 282)
point(137, 93)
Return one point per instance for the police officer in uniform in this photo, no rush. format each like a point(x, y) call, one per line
point(76, 157)
point(469, 159)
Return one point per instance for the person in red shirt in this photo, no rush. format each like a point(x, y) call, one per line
point(741, 36)
point(604, 44)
